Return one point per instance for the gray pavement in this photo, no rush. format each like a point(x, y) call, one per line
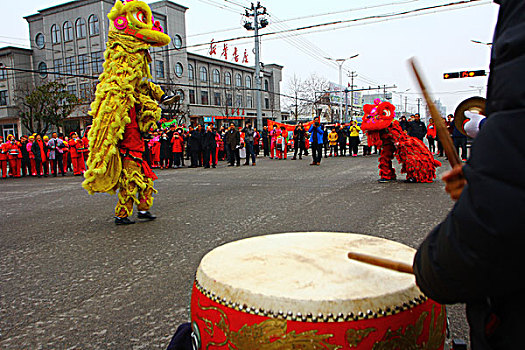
point(71, 279)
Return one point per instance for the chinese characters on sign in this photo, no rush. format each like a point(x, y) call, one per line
point(235, 56)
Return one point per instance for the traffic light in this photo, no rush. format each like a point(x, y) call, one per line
point(451, 75)
point(465, 74)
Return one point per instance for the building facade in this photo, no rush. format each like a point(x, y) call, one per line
point(68, 43)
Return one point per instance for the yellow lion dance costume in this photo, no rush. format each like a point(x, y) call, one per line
point(125, 105)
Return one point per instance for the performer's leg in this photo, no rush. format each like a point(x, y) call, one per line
point(132, 182)
point(386, 170)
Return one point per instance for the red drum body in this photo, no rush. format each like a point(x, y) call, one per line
point(299, 291)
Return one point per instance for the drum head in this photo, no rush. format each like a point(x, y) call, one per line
point(308, 273)
point(473, 104)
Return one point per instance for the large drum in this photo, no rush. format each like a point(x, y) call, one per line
point(300, 291)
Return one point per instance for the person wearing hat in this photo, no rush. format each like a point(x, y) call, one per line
point(25, 163)
point(30, 141)
point(56, 150)
point(14, 156)
point(45, 164)
point(77, 160)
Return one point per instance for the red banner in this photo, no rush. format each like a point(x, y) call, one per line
point(288, 127)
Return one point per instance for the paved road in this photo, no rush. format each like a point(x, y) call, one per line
point(71, 279)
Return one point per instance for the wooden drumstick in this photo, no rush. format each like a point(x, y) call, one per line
point(441, 128)
point(387, 264)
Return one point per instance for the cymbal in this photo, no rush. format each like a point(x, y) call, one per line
point(474, 104)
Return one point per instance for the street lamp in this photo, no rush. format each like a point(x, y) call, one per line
point(479, 88)
point(340, 62)
point(401, 99)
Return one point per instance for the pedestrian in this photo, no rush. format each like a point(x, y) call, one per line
point(439, 144)
point(56, 146)
point(249, 139)
point(84, 149)
point(165, 151)
point(403, 123)
point(274, 133)
point(417, 128)
point(65, 154)
point(233, 142)
point(46, 164)
point(177, 143)
point(256, 142)
point(77, 159)
point(265, 135)
point(366, 149)
point(342, 138)
point(284, 134)
point(354, 138)
point(3, 157)
point(460, 140)
point(30, 141)
point(475, 256)
point(431, 136)
point(14, 156)
point(209, 147)
point(298, 141)
point(280, 144)
point(26, 163)
point(39, 150)
point(325, 140)
point(195, 145)
point(316, 141)
point(332, 140)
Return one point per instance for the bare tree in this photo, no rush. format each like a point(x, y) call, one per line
point(306, 95)
point(47, 105)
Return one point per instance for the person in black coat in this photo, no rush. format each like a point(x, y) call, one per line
point(298, 141)
point(209, 146)
point(232, 140)
point(265, 135)
point(403, 123)
point(165, 151)
point(325, 140)
point(26, 162)
point(342, 138)
point(417, 128)
point(475, 256)
point(195, 145)
point(39, 149)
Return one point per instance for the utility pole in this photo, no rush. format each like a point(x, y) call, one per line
point(258, 13)
point(296, 116)
point(406, 100)
point(418, 105)
point(352, 76)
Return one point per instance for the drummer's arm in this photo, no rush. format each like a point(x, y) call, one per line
point(477, 250)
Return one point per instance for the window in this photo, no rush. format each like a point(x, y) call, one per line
point(84, 91)
point(70, 64)
point(81, 28)
point(192, 96)
point(204, 74)
point(42, 69)
point(40, 40)
point(266, 103)
point(177, 42)
point(191, 72)
point(238, 80)
point(3, 74)
point(55, 34)
point(159, 69)
point(72, 89)
point(4, 98)
point(216, 76)
point(217, 100)
point(93, 25)
point(228, 78)
point(248, 82)
point(204, 97)
point(238, 101)
point(82, 67)
point(179, 69)
point(68, 31)
point(266, 85)
point(249, 102)
point(96, 62)
point(58, 66)
point(229, 101)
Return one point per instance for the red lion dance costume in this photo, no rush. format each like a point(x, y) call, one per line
point(385, 132)
point(125, 105)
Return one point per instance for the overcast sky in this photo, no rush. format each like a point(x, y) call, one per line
point(440, 39)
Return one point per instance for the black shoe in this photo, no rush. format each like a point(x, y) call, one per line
point(213, 166)
point(123, 221)
point(146, 216)
point(410, 180)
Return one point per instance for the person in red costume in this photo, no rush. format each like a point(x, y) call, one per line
point(84, 150)
point(77, 160)
point(3, 157)
point(14, 155)
point(31, 140)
